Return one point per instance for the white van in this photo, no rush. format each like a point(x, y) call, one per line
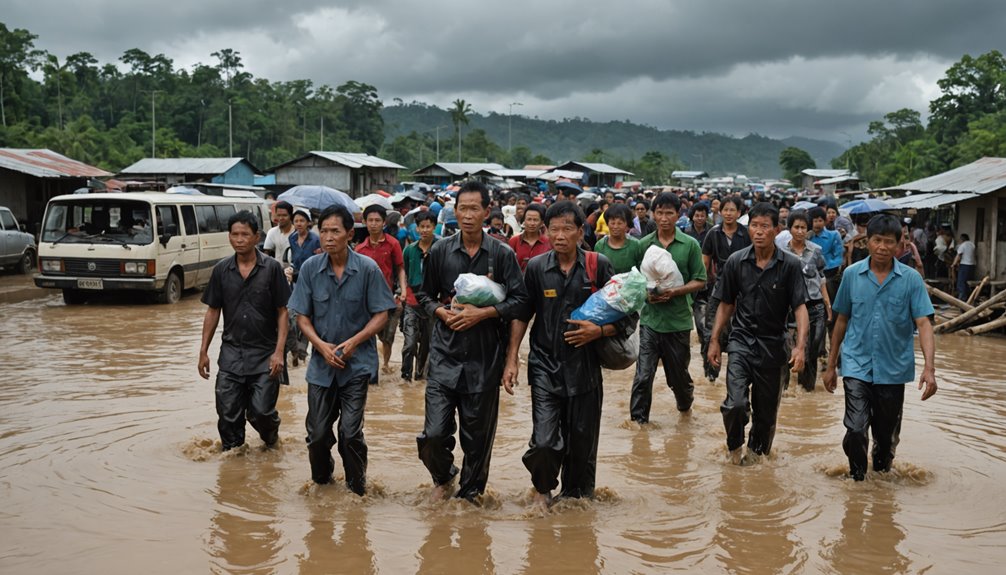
point(149, 241)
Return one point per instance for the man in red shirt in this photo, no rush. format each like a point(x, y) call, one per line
point(387, 252)
point(530, 242)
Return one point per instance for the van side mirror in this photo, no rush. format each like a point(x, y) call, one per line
point(22, 227)
point(170, 231)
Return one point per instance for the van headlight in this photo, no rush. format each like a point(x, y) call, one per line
point(52, 265)
point(138, 268)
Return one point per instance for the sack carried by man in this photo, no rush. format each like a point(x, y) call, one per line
point(622, 295)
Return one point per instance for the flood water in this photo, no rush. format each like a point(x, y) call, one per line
point(110, 463)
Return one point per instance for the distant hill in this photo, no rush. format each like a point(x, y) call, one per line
point(574, 138)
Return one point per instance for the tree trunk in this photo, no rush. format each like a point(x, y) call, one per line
point(994, 324)
point(971, 315)
point(3, 110)
point(940, 294)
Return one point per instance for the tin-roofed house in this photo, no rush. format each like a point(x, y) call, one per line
point(30, 177)
point(171, 171)
point(597, 174)
point(354, 173)
point(444, 173)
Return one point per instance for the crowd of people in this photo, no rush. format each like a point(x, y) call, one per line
point(768, 292)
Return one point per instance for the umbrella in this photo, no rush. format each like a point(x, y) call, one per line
point(318, 198)
point(569, 185)
point(867, 206)
point(804, 205)
point(372, 199)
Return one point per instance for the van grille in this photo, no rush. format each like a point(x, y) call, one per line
point(102, 268)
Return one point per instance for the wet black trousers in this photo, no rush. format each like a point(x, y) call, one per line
point(871, 407)
point(714, 304)
point(251, 397)
point(673, 348)
point(818, 328)
point(564, 439)
point(700, 305)
point(477, 413)
point(756, 389)
point(346, 404)
point(417, 329)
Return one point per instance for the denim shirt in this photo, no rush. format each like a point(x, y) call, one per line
point(878, 345)
point(339, 309)
point(831, 246)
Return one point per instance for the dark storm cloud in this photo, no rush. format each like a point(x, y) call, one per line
point(565, 56)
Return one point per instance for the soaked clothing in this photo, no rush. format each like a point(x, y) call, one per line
point(816, 334)
point(719, 247)
point(757, 356)
point(871, 408)
point(416, 327)
point(674, 315)
point(243, 387)
point(565, 381)
point(673, 349)
point(465, 367)
point(812, 265)
point(346, 404)
point(339, 308)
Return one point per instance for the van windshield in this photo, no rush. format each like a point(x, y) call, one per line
point(91, 221)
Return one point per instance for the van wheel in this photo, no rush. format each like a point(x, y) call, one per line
point(26, 263)
point(172, 290)
point(74, 297)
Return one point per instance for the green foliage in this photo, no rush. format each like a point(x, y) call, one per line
point(793, 160)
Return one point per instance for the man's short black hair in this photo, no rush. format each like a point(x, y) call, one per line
point(475, 186)
point(425, 217)
point(816, 213)
point(698, 207)
point(738, 203)
point(798, 216)
point(619, 212)
point(762, 209)
point(283, 205)
point(375, 209)
point(667, 199)
point(536, 208)
point(965, 237)
point(495, 214)
point(340, 212)
point(883, 225)
point(243, 217)
point(564, 208)
point(642, 202)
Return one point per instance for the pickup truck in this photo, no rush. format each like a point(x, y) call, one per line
point(17, 249)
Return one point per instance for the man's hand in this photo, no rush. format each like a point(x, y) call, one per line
point(510, 375)
point(343, 352)
point(276, 361)
point(713, 354)
point(830, 379)
point(796, 359)
point(662, 297)
point(584, 333)
point(327, 351)
point(928, 383)
point(204, 365)
point(464, 317)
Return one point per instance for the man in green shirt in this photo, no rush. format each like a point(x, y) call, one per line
point(665, 323)
point(416, 324)
point(619, 247)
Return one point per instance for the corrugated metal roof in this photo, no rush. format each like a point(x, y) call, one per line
point(980, 177)
point(597, 167)
point(687, 174)
point(43, 163)
point(183, 166)
point(358, 160)
point(838, 180)
point(460, 168)
point(821, 173)
point(925, 201)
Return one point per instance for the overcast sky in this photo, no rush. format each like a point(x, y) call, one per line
point(776, 67)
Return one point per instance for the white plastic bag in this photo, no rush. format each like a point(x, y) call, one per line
point(660, 269)
point(478, 290)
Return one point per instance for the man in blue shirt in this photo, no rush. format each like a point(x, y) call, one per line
point(879, 304)
point(342, 301)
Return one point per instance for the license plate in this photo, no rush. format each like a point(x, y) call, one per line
point(90, 284)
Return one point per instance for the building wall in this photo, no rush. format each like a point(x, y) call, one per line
point(315, 171)
point(13, 188)
point(988, 233)
point(27, 196)
point(241, 175)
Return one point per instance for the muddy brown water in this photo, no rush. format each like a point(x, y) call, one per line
point(109, 463)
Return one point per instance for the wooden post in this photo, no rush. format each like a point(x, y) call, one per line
point(971, 315)
point(977, 290)
point(979, 329)
point(940, 294)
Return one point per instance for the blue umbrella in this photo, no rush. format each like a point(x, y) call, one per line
point(318, 198)
point(867, 206)
point(569, 185)
point(804, 205)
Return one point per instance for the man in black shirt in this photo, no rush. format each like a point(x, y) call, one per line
point(722, 240)
point(467, 348)
point(252, 291)
point(757, 288)
point(563, 371)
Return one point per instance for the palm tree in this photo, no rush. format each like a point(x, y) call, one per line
point(459, 115)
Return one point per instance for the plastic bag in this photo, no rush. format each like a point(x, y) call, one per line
point(618, 352)
point(660, 269)
point(623, 294)
point(478, 290)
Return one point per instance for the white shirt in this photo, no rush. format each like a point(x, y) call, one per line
point(967, 253)
point(279, 242)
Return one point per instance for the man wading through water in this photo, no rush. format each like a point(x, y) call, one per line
point(342, 300)
point(252, 291)
point(879, 304)
point(761, 284)
point(467, 349)
point(564, 373)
